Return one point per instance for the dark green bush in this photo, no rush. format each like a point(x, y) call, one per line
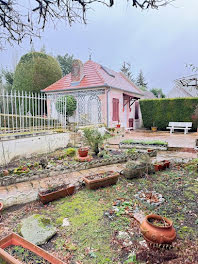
point(159, 112)
point(36, 71)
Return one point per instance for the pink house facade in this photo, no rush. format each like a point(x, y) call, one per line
point(103, 96)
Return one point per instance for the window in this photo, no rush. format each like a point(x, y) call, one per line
point(136, 110)
point(115, 109)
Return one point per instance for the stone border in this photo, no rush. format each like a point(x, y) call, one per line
point(54, 171)
point(144, 199)
point(140, 145)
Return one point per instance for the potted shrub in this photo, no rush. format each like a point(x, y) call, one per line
point(94, 139)
point(158, 229)
point(26, 249)
point(83, 151)
point(99, 180)
point(54, 193)
point(1, 208)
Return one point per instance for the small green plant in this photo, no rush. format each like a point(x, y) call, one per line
point(130, 151)
point(192, 166)
point(103, 153)
point(70, 152)
point(131, 259)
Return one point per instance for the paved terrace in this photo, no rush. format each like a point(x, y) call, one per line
point(178, 139)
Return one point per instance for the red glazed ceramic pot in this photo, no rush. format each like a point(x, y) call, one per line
point(157, 234)
point(83, 152)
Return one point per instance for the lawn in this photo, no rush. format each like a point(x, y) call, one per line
point(101, 227)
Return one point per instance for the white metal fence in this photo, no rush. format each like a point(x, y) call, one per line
point(23, 112)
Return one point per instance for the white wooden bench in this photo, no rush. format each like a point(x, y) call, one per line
point(179, 125)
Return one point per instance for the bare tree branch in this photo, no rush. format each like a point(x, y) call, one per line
point(19, 21)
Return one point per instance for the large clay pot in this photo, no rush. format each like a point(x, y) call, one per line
point(157, 234)
point(83, 152)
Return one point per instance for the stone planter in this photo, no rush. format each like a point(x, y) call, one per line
point(134, 173)
point(55, 195)
point(142, 146)
point(17, 240)
point(83, 152)
point(96, 181)
point(158, 234)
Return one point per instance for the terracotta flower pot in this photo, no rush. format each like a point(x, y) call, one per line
point(154, 129)
point(158, 234)
point(17, 240)
point(55, 195)
point(166, 163)
point(158, 167)
point(5, 172)
point(96, 183)
point(83, 152)
point(118, 126)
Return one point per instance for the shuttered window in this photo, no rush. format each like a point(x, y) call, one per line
point(115, 109)
point(136, 110)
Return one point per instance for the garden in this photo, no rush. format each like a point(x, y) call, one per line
point(122, 222)
point(97, 226)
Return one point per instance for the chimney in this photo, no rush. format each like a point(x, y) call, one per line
point(77, 71)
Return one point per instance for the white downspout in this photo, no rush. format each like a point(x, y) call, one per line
point(108, 90)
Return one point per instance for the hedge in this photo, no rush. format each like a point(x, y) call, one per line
point(159, 112)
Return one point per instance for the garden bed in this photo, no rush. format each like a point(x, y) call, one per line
point(101, 228)
point(50, 167)
point(152, 144)
point(15, 250)
point(99, 180)
point(55, 166)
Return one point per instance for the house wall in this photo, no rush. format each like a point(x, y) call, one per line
point(108, 111)
point(86, 113)
point(123, 115)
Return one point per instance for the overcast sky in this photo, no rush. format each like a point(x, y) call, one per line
point(160, 42)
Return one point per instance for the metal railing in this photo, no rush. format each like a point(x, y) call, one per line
point(29, 112)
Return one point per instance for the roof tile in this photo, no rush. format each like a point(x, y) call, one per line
point(95, 75)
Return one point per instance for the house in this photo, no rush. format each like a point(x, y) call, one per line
point(102, 95)
point(185, 87)
point(148, 95)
